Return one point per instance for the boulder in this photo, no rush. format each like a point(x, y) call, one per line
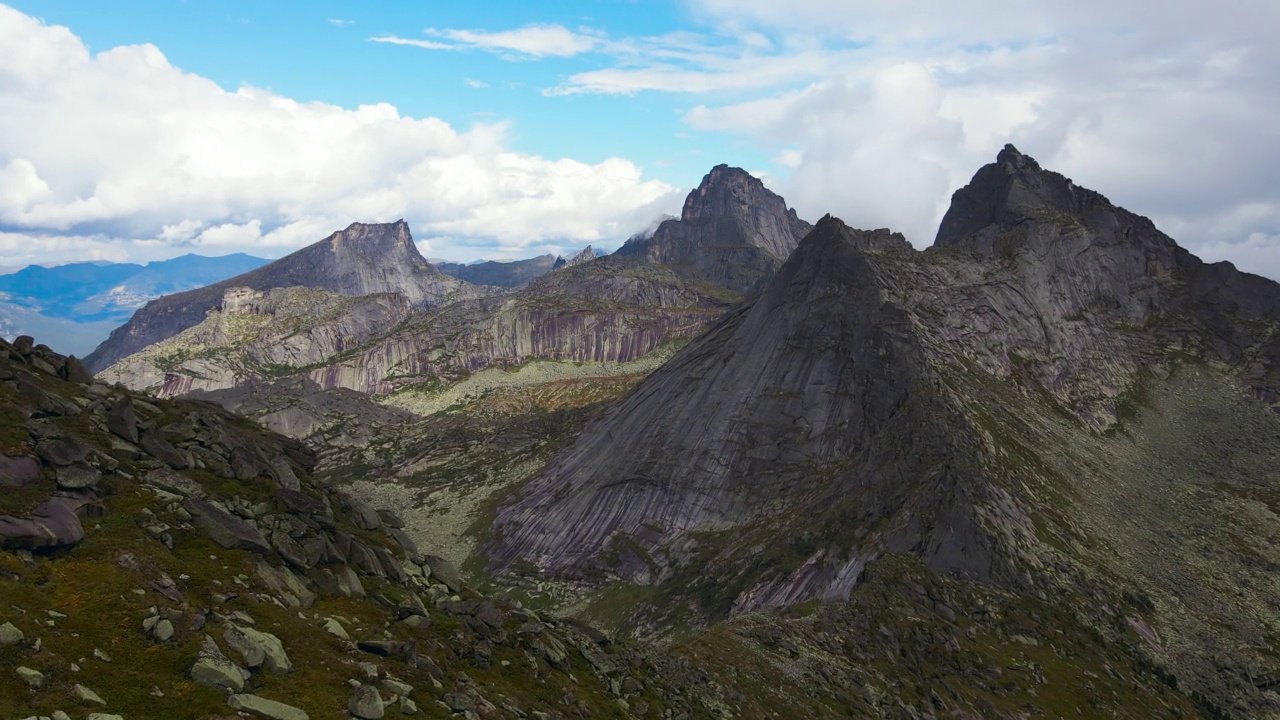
point(403, 540)
point(61, 452)
point(160, 449)
point(87, 696)
point(224, 528)
point(391, 519)
point(33, 678)
point(244, 465)
point(338, 581)
point(78, 477)
point(361, 514)
point(249, 650)
point(10, 635)
point(334, 628)
point(18, 471)
point(263, 708)
point(213, 669)
point(73, 370)
point(276, 659)
point(283, 582)
point(299, 503)
point(122, 421)
point(170, 481)
point(53, 524)
point(445, 572)
point(290, 550)
point(366, 703)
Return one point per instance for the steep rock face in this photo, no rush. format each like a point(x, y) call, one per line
point(362, 259)
point(259, 335)
point(732, 232)
point(1032, 281)
point(1045, 275)
point(608, 311)
point(798, 415)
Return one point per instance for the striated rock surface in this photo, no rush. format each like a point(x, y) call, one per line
point(361, 260)
point(732, 232)
point(789, 411)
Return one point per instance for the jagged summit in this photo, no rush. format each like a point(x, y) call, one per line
point(373, 237)
point(362, 259)
point(587, 254)
point(732, 231)
point(1014, 189)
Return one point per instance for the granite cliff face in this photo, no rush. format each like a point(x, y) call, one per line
point(361, 260)
point(608, 311)
point(612, 309)
point(732, 232)
point(1055, 401)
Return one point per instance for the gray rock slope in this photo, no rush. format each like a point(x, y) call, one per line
point(802, 411)
point(732, 232)
point(590, 309)
point(846, 411)
point(361, 260)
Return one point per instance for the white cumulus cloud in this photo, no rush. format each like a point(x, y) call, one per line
point(122, 147)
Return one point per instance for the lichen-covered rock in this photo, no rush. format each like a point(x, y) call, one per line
point(224, 528)
point(275, 657)
point(261, 707)
point(366, 703)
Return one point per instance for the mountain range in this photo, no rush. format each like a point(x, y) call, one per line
point(74, 306)
point(746, 466)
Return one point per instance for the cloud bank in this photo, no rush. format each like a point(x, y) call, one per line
point(120, 153)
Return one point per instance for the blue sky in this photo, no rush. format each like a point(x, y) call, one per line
point(322, 51)
point(508, 129)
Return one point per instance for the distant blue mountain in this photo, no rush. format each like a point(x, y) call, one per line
point(87, 300)
point(91, 291)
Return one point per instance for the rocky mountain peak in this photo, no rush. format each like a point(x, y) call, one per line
point(363, 259)
point(729, 191)
point(1016, 188)
point(375, 237)
point(733, 232)
point(587, 254)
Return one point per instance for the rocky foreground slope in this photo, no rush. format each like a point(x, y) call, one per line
point(167, 559)
point(361, 260)
point(1055, 403)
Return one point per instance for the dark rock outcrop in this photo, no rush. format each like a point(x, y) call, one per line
point(732, 232)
